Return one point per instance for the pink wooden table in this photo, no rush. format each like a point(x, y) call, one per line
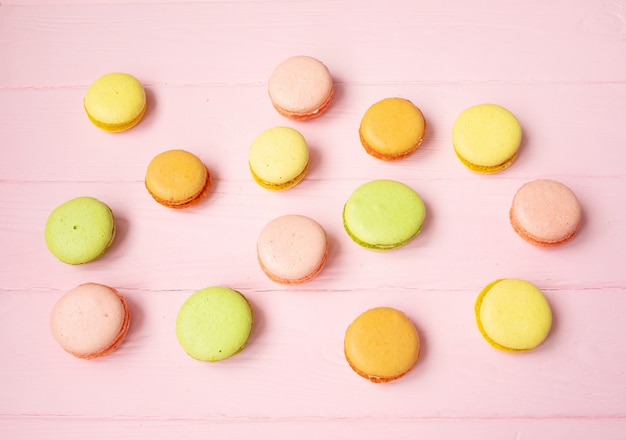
point(559, 66)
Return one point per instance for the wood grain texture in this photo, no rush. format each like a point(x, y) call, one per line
point(559, 66)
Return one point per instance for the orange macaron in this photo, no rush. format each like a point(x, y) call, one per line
point(177, 179)
point(382, 344)
point(392, 128)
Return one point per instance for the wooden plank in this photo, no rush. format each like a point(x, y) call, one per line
point(467, 240)
point(435, 429)
point(220, 123)
point(386, 42)
point(296, 356)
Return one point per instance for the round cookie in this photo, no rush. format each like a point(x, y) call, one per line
point(90, 321)
point(80, 230)
point(214, 323)
point(513, 315)
point(486, 138)
point(392, 128)
point(382, 344)
point(279, 158)
point(545, 213)
point(300, 88)
point(115, 102)
point(177, 179)
point(383, 214)
point(292, 249)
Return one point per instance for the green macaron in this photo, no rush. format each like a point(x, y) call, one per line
point(383, 214)
point(80, 230)
point(214, 323)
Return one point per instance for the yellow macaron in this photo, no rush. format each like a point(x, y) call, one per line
point(486, 138)
point(279, 158)
point(115, 102)
point(513, 315)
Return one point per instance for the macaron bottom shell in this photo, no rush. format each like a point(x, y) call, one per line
point(280, 186)
point(378, 247)
point(114, 128)
point(186, 203)
point(298, 116)
point(486, 169)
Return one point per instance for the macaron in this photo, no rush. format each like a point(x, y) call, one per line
point(383, 214)
point(214, 323)
point(115, 102)
point(513, 315)
point(80, 230)
point(292, 249)
point(279, 158)
point(486, 138)
point(392, 128)
point(301, 88)
point(177, 179)
point(90, 321)
point(545, 213)
point(382, 344)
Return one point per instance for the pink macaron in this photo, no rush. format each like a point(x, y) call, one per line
point(545, 213)
point(90, 321)
point(301, 88)
point(292, 249)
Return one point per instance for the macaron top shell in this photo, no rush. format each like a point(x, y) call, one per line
point(382, 344)
point(214, 323)
point(486, 137)
point(80, 230)
point(300, 87)
point(177, 178)
point(392, 128)
point(383, 214)
point(545, 212)
point(513, 315)
point(279, 157)
point(115, 101)
point(292, 249)
point(90, 320)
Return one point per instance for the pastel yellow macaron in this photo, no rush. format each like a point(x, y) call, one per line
point(513, 315)
point(486, 138)
point(392, 128)
point(279, 158)
point(115, 102)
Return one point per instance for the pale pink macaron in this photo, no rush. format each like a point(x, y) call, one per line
point(301, 88)
point(545, 213)
point(292, 249)
point(90, 321)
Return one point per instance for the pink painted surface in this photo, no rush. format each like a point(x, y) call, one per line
point(559, 66)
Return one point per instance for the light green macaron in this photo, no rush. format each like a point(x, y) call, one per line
point(214, 323)
point(383, 214)
point(80, 230)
